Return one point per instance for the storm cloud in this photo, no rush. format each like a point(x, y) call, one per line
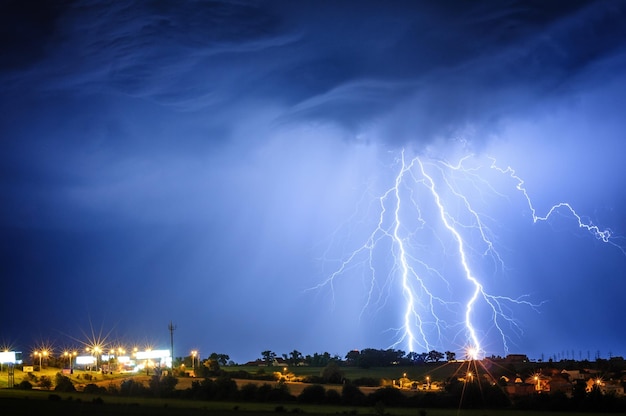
point(189, 160)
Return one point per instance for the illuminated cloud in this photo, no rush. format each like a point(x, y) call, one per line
point(199, 157)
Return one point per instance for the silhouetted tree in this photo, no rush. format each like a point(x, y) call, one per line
point(412, 357)
point(318, 360)
point(295, 357)
point(352, 357)
point(332, 373)
point(221, 359)
point(435, 356)
point(268, 357)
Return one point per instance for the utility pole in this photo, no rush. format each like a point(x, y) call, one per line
point(172, 328)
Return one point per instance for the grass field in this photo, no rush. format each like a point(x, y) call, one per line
point(436, 371)
point(77, 378)
point(22, 402)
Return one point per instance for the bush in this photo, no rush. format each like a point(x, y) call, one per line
point(248, 392)
point(45, 382)
point(333, 396)
point(313, 379)
point(163, 386)
point(63, 383)
point(313, 394)
point(24, 385)
point(332, 373)
point(225, 388)
point(240, 374)
point(366, 382)
point(132, 388)
point(352, 395)
point(388, 396)
point(94, 389)
point(113, 389)
point(268, 393)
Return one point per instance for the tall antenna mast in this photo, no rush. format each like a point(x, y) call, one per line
point(172, 328)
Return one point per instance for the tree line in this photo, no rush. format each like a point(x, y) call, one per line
point(366, 358)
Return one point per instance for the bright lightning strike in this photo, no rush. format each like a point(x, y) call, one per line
point(601, 234)
point(433, 237)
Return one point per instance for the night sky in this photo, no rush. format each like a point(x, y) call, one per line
point(214, 163)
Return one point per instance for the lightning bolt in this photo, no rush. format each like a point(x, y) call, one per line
point(605, 235)
point(436, 207)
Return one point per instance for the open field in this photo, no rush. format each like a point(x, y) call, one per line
point(25, 402)
point(78, 378)
point(28, 403)
point(436, 372)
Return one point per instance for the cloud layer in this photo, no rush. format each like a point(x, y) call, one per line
point(208, 150)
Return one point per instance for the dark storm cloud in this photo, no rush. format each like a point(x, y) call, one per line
point(145, 49)
point(208, 145)
point(349, 63)
point(427, 71)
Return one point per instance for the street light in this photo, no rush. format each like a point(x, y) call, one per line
point(41, 354)
point(193, 359)
point(74, 353)
point(96, 351)
point(68, 355)
point(38, 354)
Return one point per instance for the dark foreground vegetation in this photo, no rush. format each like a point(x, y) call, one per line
point(223, 388)
point(430, 387)
point(40, 402)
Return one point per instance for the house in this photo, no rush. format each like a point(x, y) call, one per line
point(574, 375)
point(278, 362)
point(560, 383)
point(516, 358)
point(539, 382)
point(611, 387)
point(519, 389)
point(606, 387)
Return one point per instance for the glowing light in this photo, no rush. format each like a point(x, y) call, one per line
point(437, 207)
point(472, 353)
